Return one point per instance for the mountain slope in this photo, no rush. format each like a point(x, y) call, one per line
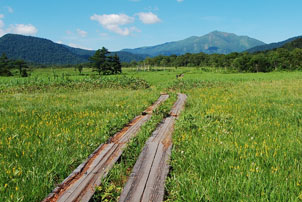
point(214, 42)
point(297, 43)
point(272, 46)
point(43, 51)
point(124, 56)
point(37, 50)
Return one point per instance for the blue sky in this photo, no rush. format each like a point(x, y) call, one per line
point(118, 24)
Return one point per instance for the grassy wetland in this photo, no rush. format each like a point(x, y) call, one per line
point(239, 137)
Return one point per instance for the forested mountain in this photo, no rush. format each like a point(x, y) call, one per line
point(214, 42)
point(271, 46)
point(124, 56)
point(297, 43)
point(37, 50)
point(43, 51)
point(288, 57)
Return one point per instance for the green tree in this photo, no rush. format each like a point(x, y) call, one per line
point(22, 67)
point(116, 64)
point(100, 61)
point(241, 63)
point(80, 68)
point(105, 64)
point(296, 58)
point(4, 66)
point(259, 63)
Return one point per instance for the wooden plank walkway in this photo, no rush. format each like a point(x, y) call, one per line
point(80, 184)
point(147, 180)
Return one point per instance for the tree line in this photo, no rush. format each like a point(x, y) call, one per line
point(105, 64)
point(278, 59)
point(101, 62)
point(7, 65)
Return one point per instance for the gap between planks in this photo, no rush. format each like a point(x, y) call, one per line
point(80, 184)
point(147, 179)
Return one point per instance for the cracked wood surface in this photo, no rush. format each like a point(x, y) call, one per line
point(80, 184)
point(147, 180)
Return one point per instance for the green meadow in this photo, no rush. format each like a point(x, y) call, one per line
point(238, 139)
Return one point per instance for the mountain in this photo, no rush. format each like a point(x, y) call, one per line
point(272, 46)
point(297, 43)
point(43, 51)
point(214, 42)
point(124, 56)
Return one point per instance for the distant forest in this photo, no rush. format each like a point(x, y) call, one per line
point(288, 57)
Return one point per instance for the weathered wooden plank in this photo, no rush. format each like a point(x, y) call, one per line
point(155, 188)
point(87, 175)
point(138, 179)
point(147, 180)
point(80, 185)
point(179, 105)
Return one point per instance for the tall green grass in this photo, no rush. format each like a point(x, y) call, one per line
point(44, 136)
point(239, 137)
point(239, 143)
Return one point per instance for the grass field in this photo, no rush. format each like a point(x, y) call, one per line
point(239, 138)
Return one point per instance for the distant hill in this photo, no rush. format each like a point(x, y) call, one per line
point(297, 43)
point(214, 42)
point(272, 46)
point(43, 51)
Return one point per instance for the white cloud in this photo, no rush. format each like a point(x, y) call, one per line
point(113, 22)
point(2, 31)
point(68, 32)
point(103, 34)
point(148, 18)
point(59, 42)
point(82, 33)
point(23, 29)
point(78, 46)
point(9, 9)
point(17, 28)
point(1, 21)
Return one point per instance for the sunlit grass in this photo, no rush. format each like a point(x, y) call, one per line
point(239, 143)
point(239, 137)
point(44, 136)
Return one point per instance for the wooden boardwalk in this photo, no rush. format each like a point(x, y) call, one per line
point(80, 184)
point(147, 180)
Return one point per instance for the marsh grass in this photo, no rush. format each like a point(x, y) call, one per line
point(239, 138)
point(112, 185)
point(239, 143)
point(44, 136)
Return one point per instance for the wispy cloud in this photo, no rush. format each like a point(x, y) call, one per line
point(81, 33)
point(2, 32)
point(148, 18)
point(10, 9)
point(114, 23)
point(78, 46)
point(17, 28)
point(23, 29)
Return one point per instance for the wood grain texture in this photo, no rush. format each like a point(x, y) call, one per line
point(80, 185)
point(147, 180)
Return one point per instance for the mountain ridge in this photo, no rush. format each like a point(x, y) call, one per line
point(214, 42)
point(272, 46)
point(44, 51)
